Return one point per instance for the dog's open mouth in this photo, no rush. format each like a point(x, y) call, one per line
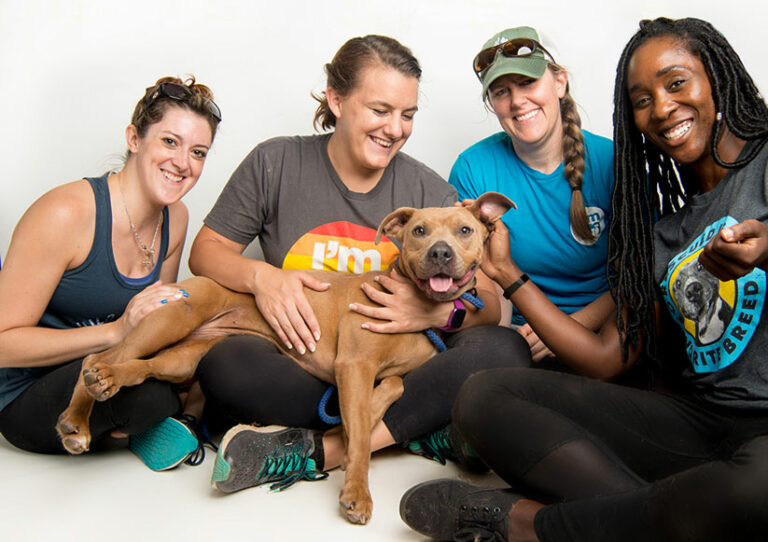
point(446, 284)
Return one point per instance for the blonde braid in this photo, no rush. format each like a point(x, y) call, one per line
point(574, 164)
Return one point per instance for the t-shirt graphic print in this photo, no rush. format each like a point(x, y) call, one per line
point(341, 246)
point(719, 317)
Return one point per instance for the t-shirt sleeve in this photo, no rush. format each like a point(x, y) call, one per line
point(241, 209)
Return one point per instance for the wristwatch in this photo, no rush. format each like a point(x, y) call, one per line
point(457, 316)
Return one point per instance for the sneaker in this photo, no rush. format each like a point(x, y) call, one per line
point(447, 443)
point(250, 456)
point(455, 510)
point(169, 443)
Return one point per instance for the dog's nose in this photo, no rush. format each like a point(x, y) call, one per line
point(693, 292)
point(441, 253)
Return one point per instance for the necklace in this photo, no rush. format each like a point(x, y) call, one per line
point(148, 252)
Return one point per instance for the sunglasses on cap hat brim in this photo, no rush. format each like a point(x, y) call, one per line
point(516, 48)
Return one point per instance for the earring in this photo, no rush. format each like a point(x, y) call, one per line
point(719, 116)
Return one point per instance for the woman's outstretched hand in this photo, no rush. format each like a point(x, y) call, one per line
point(736, 250)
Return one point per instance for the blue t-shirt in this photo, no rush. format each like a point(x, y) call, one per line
point(569, 271)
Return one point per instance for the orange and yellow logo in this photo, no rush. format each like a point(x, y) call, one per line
point(341, 246)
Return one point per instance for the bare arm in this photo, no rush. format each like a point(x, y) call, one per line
point(597, 355)
point(279, 293)
point(592, 317)
point(55, 235)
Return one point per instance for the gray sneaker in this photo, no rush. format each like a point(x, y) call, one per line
point(249, 456)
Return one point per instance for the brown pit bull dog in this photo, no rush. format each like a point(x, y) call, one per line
point(441, 250)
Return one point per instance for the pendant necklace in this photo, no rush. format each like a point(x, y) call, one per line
point(148, 252)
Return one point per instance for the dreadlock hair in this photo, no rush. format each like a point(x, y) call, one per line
point(649, 185)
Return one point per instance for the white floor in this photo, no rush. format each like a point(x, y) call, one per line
point(111, 496)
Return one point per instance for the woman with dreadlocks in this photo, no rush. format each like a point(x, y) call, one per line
point(598, 461)
point(559, 175)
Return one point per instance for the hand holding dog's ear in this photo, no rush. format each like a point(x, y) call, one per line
point(737, 250)
point(497, 263)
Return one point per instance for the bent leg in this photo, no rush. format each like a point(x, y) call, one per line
point(246, 379)
point(430, 390)
point(564, 436)
point(715, 501)
point(29, 421)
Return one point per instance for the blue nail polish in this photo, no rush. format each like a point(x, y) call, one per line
point(164, 301)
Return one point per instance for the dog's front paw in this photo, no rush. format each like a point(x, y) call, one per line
point(356, 505)
point(75, 435)
point(99, 382)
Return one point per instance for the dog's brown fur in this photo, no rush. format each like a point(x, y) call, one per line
point(353, 359)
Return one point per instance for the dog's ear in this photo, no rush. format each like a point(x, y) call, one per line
point(489, 207)
point(392, 225)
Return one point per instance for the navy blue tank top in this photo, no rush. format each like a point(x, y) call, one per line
point(93, 293)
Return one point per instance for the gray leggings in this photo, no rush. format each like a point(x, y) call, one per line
point(248, 380)
point(618, 463)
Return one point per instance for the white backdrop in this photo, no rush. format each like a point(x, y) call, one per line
point(72, 71)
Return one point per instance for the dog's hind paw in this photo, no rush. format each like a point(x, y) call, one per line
point(98, 383)
point(73, 439)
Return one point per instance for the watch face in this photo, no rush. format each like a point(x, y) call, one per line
point(458, 318)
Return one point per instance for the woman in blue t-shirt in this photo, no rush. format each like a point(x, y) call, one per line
point(90, 259)
point(559, 175)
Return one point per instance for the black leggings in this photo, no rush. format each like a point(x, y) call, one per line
point(248, 380)
point(29, 421)
point(618, 463)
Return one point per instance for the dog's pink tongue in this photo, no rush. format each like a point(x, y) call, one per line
point(440, 284)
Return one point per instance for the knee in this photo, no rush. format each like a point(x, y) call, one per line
point(746, 487)
point(230, 359)
point(494, 346)
point(142, 405)
point(478, 396)
point(729, 498)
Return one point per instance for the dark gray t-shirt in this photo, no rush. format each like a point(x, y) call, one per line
point(724, 322)
point(287, 193)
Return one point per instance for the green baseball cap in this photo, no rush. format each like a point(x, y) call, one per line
point(533, 64)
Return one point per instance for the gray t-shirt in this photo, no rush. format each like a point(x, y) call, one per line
point(287, 193)
point(724, 322)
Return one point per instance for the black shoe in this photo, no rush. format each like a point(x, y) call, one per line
point(447, 443)
point(455, 510)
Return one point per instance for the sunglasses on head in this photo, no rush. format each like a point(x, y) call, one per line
point(520, 47)
point(181, 93)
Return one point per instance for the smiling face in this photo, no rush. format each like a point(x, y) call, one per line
point(671, 99)
point(375, 119)
point(170, 156)
point(528, 109)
